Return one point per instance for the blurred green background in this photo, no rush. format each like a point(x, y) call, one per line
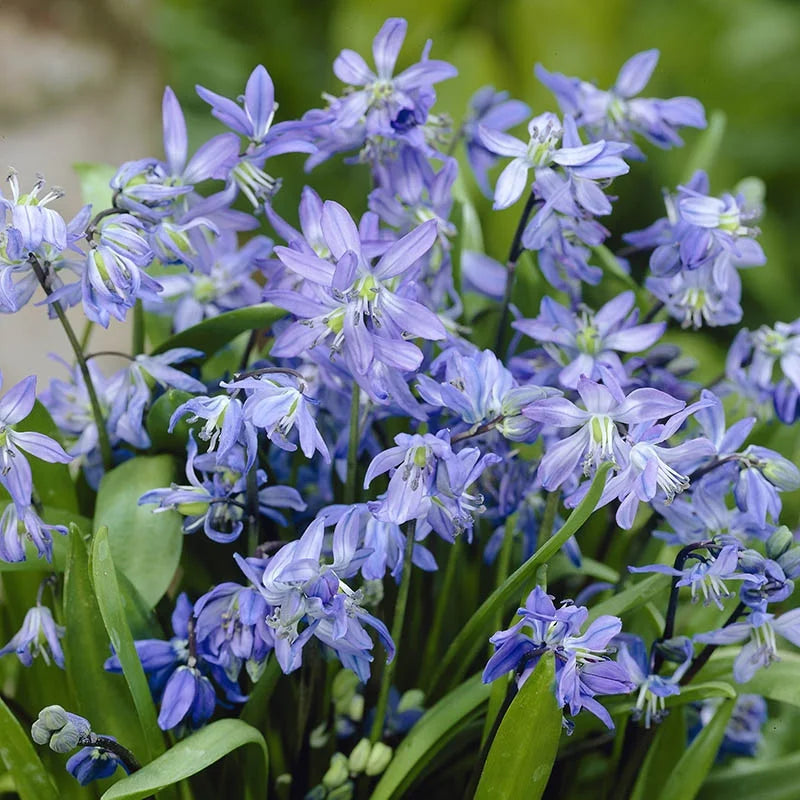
point(740, 56)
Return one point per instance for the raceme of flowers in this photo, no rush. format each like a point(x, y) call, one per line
point(373, 426)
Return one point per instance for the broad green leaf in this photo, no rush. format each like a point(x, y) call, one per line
point(476, 632)
point(193, 755)
point(110, 601)
point(214, 333)
point(632, 597)
point(31, 779)
point(521, 757)
point(685, 780)
point(777, 779)
point(157, 423)
point(663, 754)
point(437, 726)
point(101, 696)
point(146, 546)
point(95, 179)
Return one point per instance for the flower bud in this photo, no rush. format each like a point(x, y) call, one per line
point(780, 541)
point(412, 700)
point(337, 773)
point(343, 792)
point(59, 729)
point(790, 562)
point(782, 474)
point(359, 757)
point(378, 759)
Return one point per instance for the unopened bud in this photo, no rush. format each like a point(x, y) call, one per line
point(378, 759)
point(337, 773)
point(780, 541)
point(59, 729)
point(359, 757)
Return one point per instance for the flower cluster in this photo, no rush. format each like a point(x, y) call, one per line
point(331, 391)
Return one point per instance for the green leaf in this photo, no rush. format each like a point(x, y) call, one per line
point(776, 779)
point(95, 179)
point(110, 600)
point(101, 696)
point(521, 757)
point(146, 546)
point(687, 777)
point(663, 754)
point(476, 632)
point(157, 423)
point(633, 597)
point(31, 779)
point(214, 333)
point(437, 726)
point(193, 755)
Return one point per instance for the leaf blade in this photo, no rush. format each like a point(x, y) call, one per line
point(192, 755)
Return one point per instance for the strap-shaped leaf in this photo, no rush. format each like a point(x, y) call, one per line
point(101, 697)
point(776, 779)
point(634, 596)
point(110, 600)
point(438, 725)
point(214, 333)
point(474, 635)
point(31, 779)
point(685, 780)
point(193, 755)
point(521, 757)
point(145, 546)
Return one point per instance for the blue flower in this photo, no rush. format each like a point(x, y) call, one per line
point(20, 523)
point(493, 110)
point(653, 688)
point(581, 163)
point(583, 669)
point(352, 304)
point(580, 340)
point(758, 631)
point(279, 405)
point(93, 763)
point(15, 471)
point(618, 113)
point(38, 636)
point(597, 438)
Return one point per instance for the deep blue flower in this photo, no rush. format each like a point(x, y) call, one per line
point(93, 763)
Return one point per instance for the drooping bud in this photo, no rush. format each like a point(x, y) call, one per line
point(59, 729)
point(780, 541)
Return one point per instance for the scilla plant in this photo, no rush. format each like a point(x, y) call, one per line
point(279, 552)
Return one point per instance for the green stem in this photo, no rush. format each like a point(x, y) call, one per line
point(352, 447)
point(503, 565)
point(138, 328)
point(511, 270)
point(442, 607)
point(86, 334)
point(97, 412)
point(545, 532)
point(397, 631)
point(253, 514)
